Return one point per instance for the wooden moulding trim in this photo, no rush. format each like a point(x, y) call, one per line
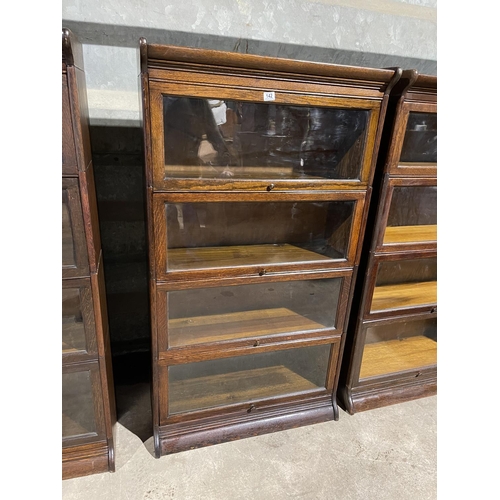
point(424, 89)
point(219, 281)
point(159, 54)
point(367, 400)
point(265, 197)
point(398, 72)
point(197, 434)
point(198, 353)
point(408, 78)
point(192, 185)
point(84, 460)
point(85, 451)
point(344, 399)
point(426, 81)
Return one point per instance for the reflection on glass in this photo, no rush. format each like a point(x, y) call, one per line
point(212, 138)
point(240, 379)
point(412, 215)
point(233, 312)
point(398, 347)
point(68, 253)
point(73, 330)
point(77, 404)
point(420, 141)
point(208, 235)
point(405, 283)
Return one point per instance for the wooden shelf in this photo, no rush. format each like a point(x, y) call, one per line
point(409, 234)
point(404, 295)
point(180, 259)
point(234, 387)
point(395, 356)
point(210, 171)
point(262, 322)
point(235, 172)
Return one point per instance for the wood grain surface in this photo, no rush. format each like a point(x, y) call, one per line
point(238, 255)
point(398, 355)
point(410, 234)
point(235, 387)
point(258, 323)
point(404, 295)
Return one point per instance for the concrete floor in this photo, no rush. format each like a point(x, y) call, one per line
point(387, 453)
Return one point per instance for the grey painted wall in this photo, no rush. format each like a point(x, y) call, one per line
point(377, 33)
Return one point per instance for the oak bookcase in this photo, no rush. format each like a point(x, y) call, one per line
point(88, 404)
point(258, 174)
point(391, 352)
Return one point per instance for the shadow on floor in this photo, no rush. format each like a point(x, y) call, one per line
point(132, 374)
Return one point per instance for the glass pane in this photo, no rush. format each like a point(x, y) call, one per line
point(412, 215)
point(420, 142)
point(398, 347)
point(213, 138)
point(240, 379)
point(243, 311)
point(405, 283)
point(68, 251)
point(208, 235)
point(77, 404)
point(73, 329)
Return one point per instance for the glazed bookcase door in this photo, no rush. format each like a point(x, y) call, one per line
point(227, 138)
point(253, 312)
point(415, 151)
point(409, 216)
point(78, 322)
point(75, 261)
point(82, 406)
point(402, 284)
point(250, 234)
point(398, 347)
point(245, 382)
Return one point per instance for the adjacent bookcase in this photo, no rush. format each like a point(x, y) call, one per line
point(88, 403)
point(391, 353)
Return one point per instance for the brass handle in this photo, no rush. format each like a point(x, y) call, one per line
point(270, 187)
point(252, 407)
point(256, 343)
point(262, 272)
point(434, 309)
